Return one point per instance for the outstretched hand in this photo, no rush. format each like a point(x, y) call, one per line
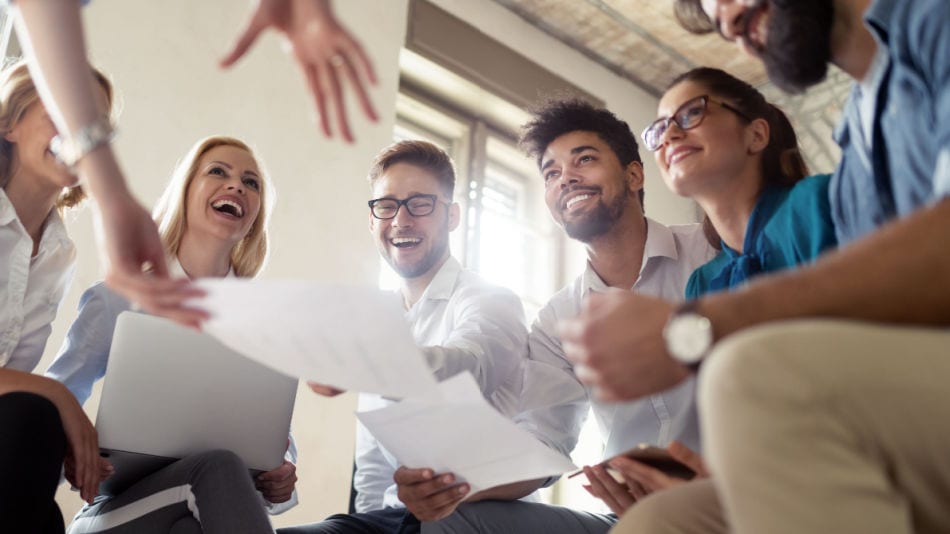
point(325, 51)
point(135, 263)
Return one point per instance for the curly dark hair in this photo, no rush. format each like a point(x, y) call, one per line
point(555, 118)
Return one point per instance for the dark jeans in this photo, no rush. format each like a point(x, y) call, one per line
point(385, 521)
point(32, 448)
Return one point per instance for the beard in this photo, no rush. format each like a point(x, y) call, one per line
point(426, 263)
point(798, 47)
point(599, 220)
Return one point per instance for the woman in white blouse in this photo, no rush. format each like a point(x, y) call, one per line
point(41, 424)
point(212, 221)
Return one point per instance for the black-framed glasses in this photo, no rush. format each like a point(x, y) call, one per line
point(687, 117)
point(418, 206)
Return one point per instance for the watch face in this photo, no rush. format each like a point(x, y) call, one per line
point(688, 337)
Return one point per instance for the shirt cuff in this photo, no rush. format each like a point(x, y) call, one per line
point(942, 175)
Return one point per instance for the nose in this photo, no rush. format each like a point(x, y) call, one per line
point(673, 131)
point(403, 217)
point(236, 185)
point(568, 178)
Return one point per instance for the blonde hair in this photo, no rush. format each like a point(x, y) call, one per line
point(250, 254)
point(17, 94)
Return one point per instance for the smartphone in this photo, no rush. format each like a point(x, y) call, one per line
point(655, 457)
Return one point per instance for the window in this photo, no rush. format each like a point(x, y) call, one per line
point(506, 233)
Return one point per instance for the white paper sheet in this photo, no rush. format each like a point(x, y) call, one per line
point(461, 433)
point(352, 338)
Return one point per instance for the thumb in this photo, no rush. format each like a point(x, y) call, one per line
point(688, 457)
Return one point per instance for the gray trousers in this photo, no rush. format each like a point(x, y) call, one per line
point(517, 517)
point(207, 493)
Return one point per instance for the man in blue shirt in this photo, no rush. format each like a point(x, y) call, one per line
point(830, 417)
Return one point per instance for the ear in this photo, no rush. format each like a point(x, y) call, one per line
point(758, 138)
point(372, 222)
point(13, 136)
point(455, 216)
point(634, 174)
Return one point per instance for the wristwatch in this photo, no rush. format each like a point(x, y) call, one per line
point(69, 149)
point(688, 335)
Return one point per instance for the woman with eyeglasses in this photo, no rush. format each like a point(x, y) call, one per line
point(212, 219)
point(719, 142)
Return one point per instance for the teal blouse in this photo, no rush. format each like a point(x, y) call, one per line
point(789, 226)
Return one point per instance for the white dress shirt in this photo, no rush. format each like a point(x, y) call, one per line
point(461, 323)
point(555, 404)
point(84, 356)
point(31, 287)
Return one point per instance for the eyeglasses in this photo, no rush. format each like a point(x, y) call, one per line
point(418, 206)
point(687, 117)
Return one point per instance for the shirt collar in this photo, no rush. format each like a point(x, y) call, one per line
point(175, 270)
point(443, 283)
point(54, 230)
point(7, 211)
point(660, 244)
point(878, 17)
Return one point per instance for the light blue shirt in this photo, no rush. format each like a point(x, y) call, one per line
point(906, 164)
point(84, 356)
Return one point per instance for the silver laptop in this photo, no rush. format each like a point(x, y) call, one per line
point(170, 392)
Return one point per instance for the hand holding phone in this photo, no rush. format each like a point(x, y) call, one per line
point(653, 456)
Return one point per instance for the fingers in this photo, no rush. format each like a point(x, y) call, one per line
point(689, 458)
point(356, 51)
point(336, 97)
point(82, 444)
point(321, 389)
point(428, 496)
point(319, 98)
point(367, 65)
point(106, 469)
point(615, 495)
point(160, 296)
point(244, 41)
point(649, 478)
point(277, 485)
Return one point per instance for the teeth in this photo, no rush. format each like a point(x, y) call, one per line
point(218, 204)
point(405, 240)
point(577, 199)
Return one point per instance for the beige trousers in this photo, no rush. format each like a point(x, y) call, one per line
point(819, 426)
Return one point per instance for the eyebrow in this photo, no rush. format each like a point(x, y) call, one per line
point(230, 167)
point(574, 151)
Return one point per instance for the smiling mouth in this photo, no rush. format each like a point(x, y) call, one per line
point(404, 242)
point(228, 207)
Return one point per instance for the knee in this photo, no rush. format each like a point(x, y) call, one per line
point(31, 422)
point(761, 363)
point(649, 516)
point(218, 462)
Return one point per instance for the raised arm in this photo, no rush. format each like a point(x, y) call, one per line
point(52, 37)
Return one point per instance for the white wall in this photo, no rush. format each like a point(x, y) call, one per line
point(162, 57)
point(624, 98)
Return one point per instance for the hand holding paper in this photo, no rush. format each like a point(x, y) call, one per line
point(458, 432)
point(349, 338)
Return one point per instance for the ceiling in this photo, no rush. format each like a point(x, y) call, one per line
point(641, 41)
point(637, 39)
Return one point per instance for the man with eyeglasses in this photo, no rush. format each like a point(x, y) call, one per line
point(593, 175)
point(824, 391)
point(460, 322)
